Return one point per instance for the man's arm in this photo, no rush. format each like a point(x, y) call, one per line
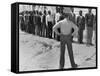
point(47, 20)
point(55, 28)
point(75, 29)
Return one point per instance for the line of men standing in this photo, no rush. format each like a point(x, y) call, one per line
point(38, 23)
point(30, 22)
point(88, 22)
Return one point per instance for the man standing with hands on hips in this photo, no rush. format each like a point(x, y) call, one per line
point(66, 34)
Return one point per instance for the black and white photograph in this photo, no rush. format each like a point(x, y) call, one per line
point(56, 37)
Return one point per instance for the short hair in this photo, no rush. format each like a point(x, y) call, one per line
point(89, 9)
point(80, 11)
point(72, 9)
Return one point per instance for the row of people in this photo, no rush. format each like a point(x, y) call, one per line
point(37, 23)
point(41, 24)
point(88, 22)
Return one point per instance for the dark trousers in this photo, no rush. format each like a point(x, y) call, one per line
point(30, 28)
point(26, 28)
point(58, 37)
point(72, 36)
point(89, 35)
point(80, 35)
point(47, 31)
point(66, 39)
point(55, 36)
point(39, 30)
point(50, 25)
point(22, 26)
point(33, 29)
point(44, 29)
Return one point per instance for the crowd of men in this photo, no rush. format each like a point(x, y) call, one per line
point(41, 23)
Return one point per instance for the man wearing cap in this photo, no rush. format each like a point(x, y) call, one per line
point(65, 35)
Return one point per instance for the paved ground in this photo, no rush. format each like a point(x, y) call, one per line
point(37, 53)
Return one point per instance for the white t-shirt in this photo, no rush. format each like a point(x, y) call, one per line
point(49, 18)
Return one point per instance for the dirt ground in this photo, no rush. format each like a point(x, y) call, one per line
point(38, 53)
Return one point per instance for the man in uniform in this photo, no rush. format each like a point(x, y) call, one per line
point(89, 17)
point(81, 25)
point(44, 30)
point(66, 34)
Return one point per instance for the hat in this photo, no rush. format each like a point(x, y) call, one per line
point(67, 10)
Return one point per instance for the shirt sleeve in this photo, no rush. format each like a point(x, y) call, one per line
point(74, 26)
